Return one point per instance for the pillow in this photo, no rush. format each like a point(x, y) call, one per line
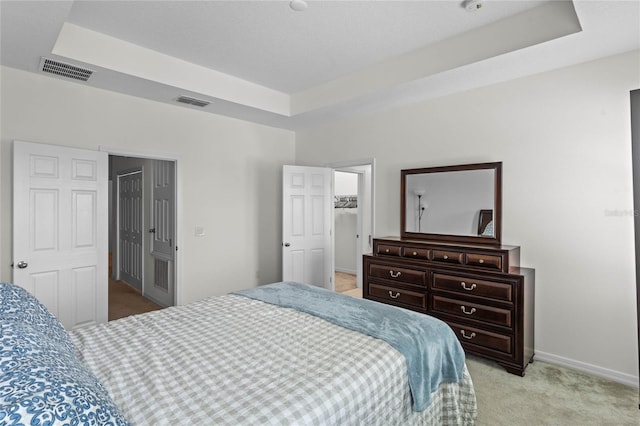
point(42, 382)
point(20, 307)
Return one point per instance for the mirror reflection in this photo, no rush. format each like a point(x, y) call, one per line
point(450, 202)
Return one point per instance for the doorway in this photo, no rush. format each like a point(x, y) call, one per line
point(308, 221)
point(346, 230)
point(353, 222)
point(142, 234)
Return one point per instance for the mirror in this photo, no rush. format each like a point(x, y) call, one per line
point(454, 203)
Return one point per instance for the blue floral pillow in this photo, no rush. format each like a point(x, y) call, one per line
point(42, 382)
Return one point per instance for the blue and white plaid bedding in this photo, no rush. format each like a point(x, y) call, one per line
point(430, 348)
point(231, 360)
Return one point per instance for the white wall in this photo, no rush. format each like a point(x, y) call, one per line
point(230, 172)
point(564, 139)
point(345, 183)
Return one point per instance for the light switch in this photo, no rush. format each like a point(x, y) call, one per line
point(199, 231)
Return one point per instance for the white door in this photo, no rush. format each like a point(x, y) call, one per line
point(130, 262)
point(306, 226)
point(60, 230)
point(162, 232)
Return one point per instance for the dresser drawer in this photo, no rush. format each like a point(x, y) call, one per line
point(402, 275)
point(415, 253)
point(462, 309)
point(487, 339)
point(388, 250)
point(448, 256)
point(473, 287)
point(396, 296)
point(484, 260)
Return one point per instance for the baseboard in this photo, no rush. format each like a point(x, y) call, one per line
point(157, 302)
point(616, 376)
point(346, 271)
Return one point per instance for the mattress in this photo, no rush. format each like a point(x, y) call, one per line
point(231, 360)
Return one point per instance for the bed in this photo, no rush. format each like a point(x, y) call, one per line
point(247, 358)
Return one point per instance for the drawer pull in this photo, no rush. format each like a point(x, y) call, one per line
point(481, 261)
point(464, 285)
point(445, 257)
point(464, 310)
point(414, 253)
point(394, 274)
point(394, 296)
point(386, 251)
point(469, 337)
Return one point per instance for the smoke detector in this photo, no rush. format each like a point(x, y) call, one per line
point(298, 5)
point(472, 5)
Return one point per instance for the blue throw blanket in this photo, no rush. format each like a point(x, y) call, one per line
point(432, 352)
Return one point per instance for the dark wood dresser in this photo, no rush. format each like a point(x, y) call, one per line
point(479, 290)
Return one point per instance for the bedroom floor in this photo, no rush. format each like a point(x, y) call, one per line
point(346, 284)
point(124, 300)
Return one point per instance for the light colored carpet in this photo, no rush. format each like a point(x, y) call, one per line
point(345, 282)
point(356, 292)
point(549, 395)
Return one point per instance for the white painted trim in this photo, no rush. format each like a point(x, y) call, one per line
point(125, 152)
point(156, 301)
point(94, 48)
point(616, 376)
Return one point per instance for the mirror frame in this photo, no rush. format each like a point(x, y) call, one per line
point(471, 239)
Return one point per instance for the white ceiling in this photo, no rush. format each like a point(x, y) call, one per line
point(263, 62)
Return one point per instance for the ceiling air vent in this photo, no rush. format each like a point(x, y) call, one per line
point(64, 70)
point(193, 101)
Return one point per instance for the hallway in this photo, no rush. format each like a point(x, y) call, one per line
point(124, 301)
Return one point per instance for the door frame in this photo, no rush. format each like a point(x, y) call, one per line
point(156, 155)
point(634, 101)
point(348, 166)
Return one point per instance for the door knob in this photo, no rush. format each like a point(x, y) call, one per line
point(152, 230)
point(22, 264)
point(286, 244)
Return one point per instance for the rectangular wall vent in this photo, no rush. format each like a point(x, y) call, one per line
point(64, 70)
point(161, 274)
point(193, 101)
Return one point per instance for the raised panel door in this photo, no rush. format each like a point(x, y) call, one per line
point(60, 229)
